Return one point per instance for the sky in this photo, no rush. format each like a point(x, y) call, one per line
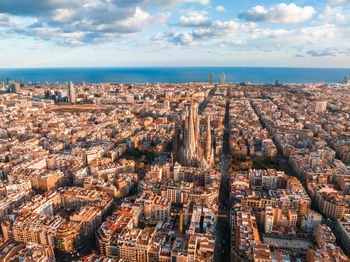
point(133, 33)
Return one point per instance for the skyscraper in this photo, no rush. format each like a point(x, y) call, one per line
point(15, 87)
point(211, 78)
point(223, 78)
point(71, 93)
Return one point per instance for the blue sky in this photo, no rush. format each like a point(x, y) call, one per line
point(123, 33)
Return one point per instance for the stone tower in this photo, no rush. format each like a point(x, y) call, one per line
point(189, 153)
point(209, 153)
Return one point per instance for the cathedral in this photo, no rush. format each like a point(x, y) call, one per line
point(191, 148)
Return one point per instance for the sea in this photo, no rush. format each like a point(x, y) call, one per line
point(134, 75)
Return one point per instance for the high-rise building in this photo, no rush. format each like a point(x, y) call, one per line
point(223, 78)
point(15, 87)
point(71, 93)
point(211, 78)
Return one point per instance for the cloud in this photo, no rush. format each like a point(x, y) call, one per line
point(91, 21)
point(332, 14)
point(232, 43)
point(293, 39)
point(322, 53)
point(164, 3)
point(6, 20)
point(345, 52)
point(220, 29)
point(80, 22)
point(338, 1)
point(193, 21)
point(183, 39)
point(235, 42)
point(217, 30)
point(40, 7)
point(220, 8)
point(281, 13)
point(306, 35)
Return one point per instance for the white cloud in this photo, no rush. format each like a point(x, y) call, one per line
point(294, 37)
point(220, 29)
point(193, 21)
point(220, 8)
point(217, 30)
point(6, 20)
point(281, 13)
point(63, 15)
point(316, 34)
point(332, 14)
point(40, 7)
point(319, 40)
point(90, 21)
point(183, 39)
point(158, 3)
point(339, 1)
point(323, 36)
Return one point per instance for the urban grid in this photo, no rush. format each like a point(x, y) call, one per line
point(192, 172)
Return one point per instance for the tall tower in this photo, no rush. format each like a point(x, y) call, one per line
point(211, 78)
point(189, 152)
point(209, 153)
point(191, 137)
point(196, 122)
point(223, 78)
point(185, 127)
point(208, 140)
point(15, 87)
point(71, 93)
point(176, 139)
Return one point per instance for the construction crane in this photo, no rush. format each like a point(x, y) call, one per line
point(190, 214)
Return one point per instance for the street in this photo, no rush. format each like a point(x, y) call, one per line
point(223, 229)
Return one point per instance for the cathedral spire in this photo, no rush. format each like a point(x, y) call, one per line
point(176, 139)
point(208, 145)
point(191, 140)
point(196, 123)
point(190, 152)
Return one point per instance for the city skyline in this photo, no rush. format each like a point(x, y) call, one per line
point(60, 33)
point(174, 172)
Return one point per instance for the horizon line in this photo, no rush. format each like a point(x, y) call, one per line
point(145, 67)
